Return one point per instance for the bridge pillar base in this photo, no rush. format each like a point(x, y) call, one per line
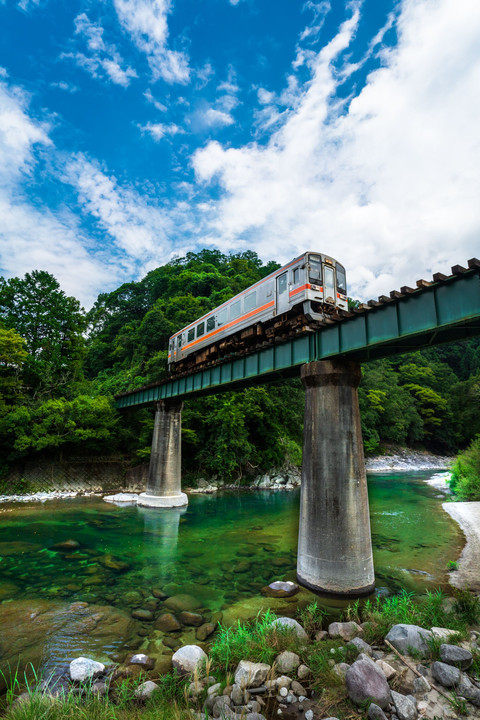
point(164, 486)
point(334, 542)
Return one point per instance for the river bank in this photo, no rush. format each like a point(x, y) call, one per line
point(467, 515)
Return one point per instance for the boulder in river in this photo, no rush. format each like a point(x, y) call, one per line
point(82, 669)
point(67, 545)
point(144, 615)
point(281, 588)
point(181, 602)
point(167, 623)
point(190, 618)
point(204, 631)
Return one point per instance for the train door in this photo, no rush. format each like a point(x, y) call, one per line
point(328, 284)
point(282, 293)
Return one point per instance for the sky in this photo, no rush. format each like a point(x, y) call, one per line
point(134, 131)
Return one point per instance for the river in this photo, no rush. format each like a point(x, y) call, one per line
point(221, 550)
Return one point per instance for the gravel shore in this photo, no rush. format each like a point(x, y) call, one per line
point(467, 514)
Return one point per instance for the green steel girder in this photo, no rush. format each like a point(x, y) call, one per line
point(443, 312)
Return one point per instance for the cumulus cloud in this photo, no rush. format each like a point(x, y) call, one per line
point(102, 59)
point(387, 184)
point(146, 23)
point(160, 130)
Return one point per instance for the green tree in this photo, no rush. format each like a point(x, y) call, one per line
point(465, 481)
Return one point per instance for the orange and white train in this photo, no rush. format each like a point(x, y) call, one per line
point(309, 287)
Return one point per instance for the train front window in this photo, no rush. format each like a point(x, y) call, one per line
point(315, 271)
point(341, 280)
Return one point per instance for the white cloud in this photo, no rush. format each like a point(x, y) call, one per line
point(146, 22)
point(156, 104)
point(103, 58)
point(160, 130)
point(389, 185)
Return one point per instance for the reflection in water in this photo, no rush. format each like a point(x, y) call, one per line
point(163, 524)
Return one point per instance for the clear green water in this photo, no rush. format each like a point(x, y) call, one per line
point(222, 550)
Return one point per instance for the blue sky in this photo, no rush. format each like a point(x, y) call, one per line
point(132, 131)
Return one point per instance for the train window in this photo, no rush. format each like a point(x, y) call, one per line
point(179, 341)
point(315, 272)
point(296, 276)
point(250, 301)
point(222, 316)
point(200, 329)
point(191, 335)
point(341, 280)
point(211, 323)
point(235, 310)
point(270, 290)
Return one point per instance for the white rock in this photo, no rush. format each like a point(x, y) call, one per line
point(144, 690)
point(286, 622)
point(249, 674)
point(82, 669)
point(387, 669)
point(287, 661)
point(188, 659)
point(283, 681)
point(443, 633)
point(309, 715)
point(283, 691)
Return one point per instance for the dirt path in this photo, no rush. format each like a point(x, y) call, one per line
point(467, 514)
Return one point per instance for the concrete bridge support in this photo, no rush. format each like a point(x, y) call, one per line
point(334, 544)
point(164, 487)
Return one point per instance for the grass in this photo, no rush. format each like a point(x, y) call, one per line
point(257, 641)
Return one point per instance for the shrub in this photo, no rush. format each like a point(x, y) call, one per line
point(465, 482)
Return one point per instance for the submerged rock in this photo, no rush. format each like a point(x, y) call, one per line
point(67, 545)
point(181, 602)
point(144, 615)
point(167, 623)
point(190, 618)
point(204, 631)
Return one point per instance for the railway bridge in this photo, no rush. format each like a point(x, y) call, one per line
point(334, 546)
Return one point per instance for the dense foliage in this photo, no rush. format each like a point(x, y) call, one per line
point(465, 480)
point(60, 368)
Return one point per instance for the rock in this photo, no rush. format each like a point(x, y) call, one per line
point(249, 674)
point(454, 655)
point(421, 685)
point(67, 545)
point(280, 589)
point(82, 669)
point(340, 669)
point(214, 690)
point(303, 672)
point(387, 669)
point(145, 690)
point(376, 713)
point(346, 630)
point(141, 614)
point(220, 706)
point(298, 689)
point(309, 715)
point(190, 618)
point(467, 690)
point(255, 716)
point(283, 692)
point(167, 623)
point(321, 635)
point(237, 695)
point(99, 689)
point(172, 642)
point(406, 708)
point(443, 633)
point(113, 563)
point(409, 637)
point(188, 659)
point(366, 681)
point(158, 593)
point(147, 663)
point(361, 645)
point(446, 675)
point(287, 662)
point(204, 631)
point(181, 602)
point(286, 622)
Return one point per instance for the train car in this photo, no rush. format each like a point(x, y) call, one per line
point(305, 291)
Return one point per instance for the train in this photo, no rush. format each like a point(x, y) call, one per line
point(309, 290)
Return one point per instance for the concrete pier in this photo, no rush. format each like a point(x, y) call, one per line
point(164, 487)
point(334, 543)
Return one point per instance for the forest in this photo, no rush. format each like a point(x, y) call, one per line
point(61, 367)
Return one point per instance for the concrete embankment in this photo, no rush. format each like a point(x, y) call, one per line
point(467, 514)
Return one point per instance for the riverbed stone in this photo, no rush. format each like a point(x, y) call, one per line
point(287, 662)
point(281, 588)
point(447, 675)
point(167, 623)
point(204, 631)
point(144, 661)
point(405, 638)
point(361, 645)
point(82, 669)
point(190, 618)
point(67, 545)
point(455, 655)
point(182, 602)
point(386, 668)
point(365, 681)
point(286, 622)
point(158, 593)
point(406, 708)
point(303, 672)
point(376, 713)
point(345, 630)
point(188, 659)
point(340, 669)
point(250, 674)
point(142, 614)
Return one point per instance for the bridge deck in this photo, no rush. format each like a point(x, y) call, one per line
point(443, 311)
